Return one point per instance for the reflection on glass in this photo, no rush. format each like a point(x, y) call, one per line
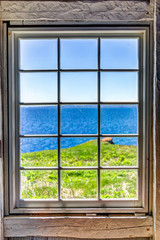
point(79, 53)
point(38, 120)
point(78, 119)
point(80, 184)
point(38, 87)
point(118, 151)
point(119, 53)
point(119, 184)
point(38, 152)
point(119, 119)
point(38, 54)
point(39, 184)
point(119, 86)
point(79, 152)
point(79, 87)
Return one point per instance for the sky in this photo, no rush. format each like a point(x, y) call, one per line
point(41, 54)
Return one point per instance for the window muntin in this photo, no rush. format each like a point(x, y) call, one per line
point(99, 104)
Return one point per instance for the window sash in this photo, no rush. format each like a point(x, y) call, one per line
point(107, 204)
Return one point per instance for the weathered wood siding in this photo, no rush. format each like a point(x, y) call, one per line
point(157, 129)
point(79, 227)
point(92, 11)
point(50, 238)
point(1, 159)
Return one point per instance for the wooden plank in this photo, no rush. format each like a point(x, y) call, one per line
point(1, 159)
point(79, 227)
point(5, 117)
point(156, 195)
point(55, 238)
point(1, 197)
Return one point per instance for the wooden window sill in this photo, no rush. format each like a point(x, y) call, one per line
point(79, 227)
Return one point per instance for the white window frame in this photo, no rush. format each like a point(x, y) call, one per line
point(80, 206)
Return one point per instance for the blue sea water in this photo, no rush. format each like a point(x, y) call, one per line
point(77, 119)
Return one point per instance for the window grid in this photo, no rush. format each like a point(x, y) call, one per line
point(98, 135)
point(59, 123)
point(99, 122)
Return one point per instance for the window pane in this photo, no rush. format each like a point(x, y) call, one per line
point(79, 119)
point(79, 87)
point(119, 151)
point(38, 152)
point(119, 184)
point(79, 53)
point(38, 54)
point(38, 87)
point(119, 86)
point(38, 119)
point(79, 184)
point(78, 152)
point(39, 184)
point(119, 119)
point(119, 53)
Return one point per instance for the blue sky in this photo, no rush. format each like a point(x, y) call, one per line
point(41, 54)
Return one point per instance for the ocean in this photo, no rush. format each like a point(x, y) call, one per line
point(75, 119)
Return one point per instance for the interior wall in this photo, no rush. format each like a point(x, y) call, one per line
point(73, 11)
point(49, 238)
point(78, 11)
point(156, 193)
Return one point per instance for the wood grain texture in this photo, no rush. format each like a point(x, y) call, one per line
point(157, 129)
point(79, 227)
point(1, 159)
point(1, 198)
point(80, 11)
point(54, 238)
point(4, 88)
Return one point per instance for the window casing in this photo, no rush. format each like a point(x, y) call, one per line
point(140, 204)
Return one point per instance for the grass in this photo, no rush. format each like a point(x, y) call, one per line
point(42, 184)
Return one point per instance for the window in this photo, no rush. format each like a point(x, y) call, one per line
point(78, 120)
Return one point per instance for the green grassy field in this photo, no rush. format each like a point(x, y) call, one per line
point(42, 184)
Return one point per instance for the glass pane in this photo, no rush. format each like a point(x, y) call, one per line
point(38, 87)
point(78, 119)
point(79, 184)
point(79, 87)
point(38, 152)
point(38, 54)
point(38, 120)
point(119, 184)
point(119, 53)
point(78, 152)
point(119, 119)
point(119, 86)
point(39, 184)
point(79, 53)
point(119, 151)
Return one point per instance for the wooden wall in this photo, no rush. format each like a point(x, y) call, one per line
point(49, 238)
point(94, 11)
point(156, 203)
